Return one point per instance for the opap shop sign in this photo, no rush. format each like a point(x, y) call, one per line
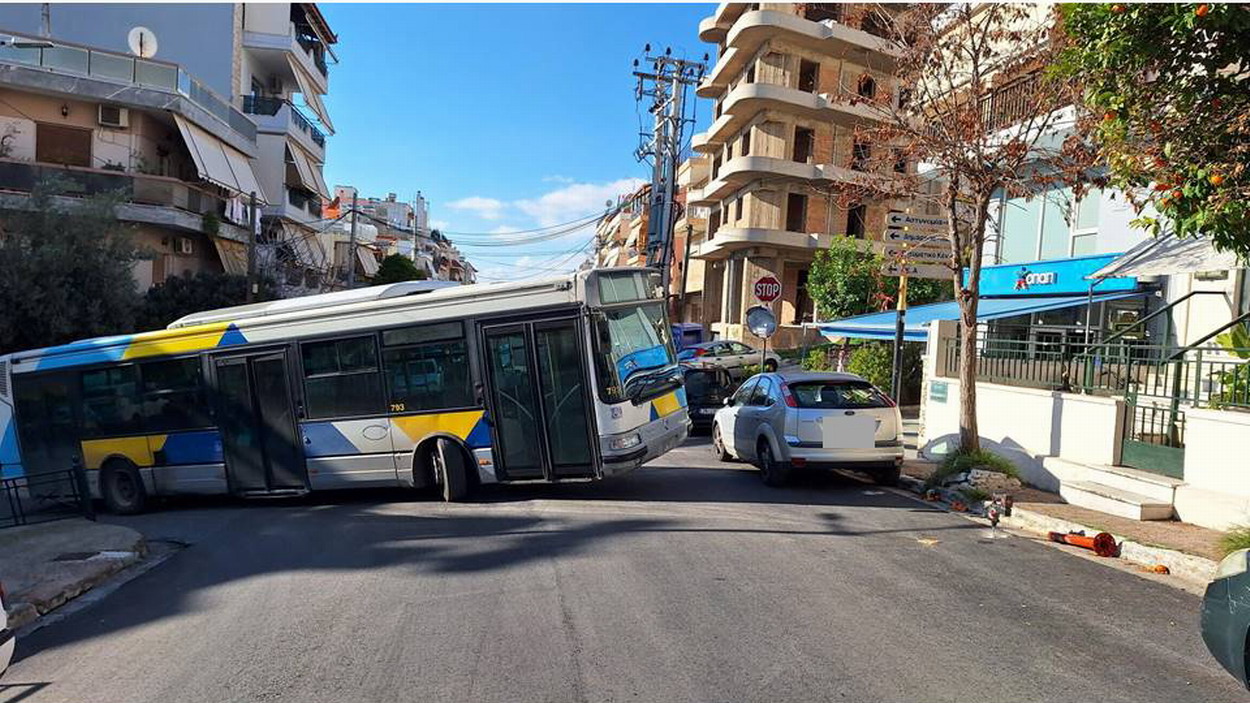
point(767, 289)
point(1051, 277)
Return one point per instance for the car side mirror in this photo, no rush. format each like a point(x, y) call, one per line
point(727, 402)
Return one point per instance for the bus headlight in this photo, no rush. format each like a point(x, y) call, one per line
point(627, 442)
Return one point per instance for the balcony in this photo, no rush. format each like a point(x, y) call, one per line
point(279, 116)
point(730, 239)
point(306, 50)
point(156, 200)
point(754, 28)
point(113, 70)
point(749, 99)
point(300, 206)
point(741, 171)
point(713, 29)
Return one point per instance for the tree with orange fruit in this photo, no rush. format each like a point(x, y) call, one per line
point(1167, 103)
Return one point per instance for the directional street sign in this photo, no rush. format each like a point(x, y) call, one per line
point(916, 223)
point(915, 255)
point(892, 268)
point(932, 240)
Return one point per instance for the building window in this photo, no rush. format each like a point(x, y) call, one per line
point(861, 152)
point(823, 11)
point(904, 97)
point(809, 76)
point(746, 142)
point(733, 293)
point(738, 209)
point(715, 165)
point(341, 377)
point(55, 144)
point(796, 212)
point(802, 301)
point(856, 221)
point(900, 161)
point(718, 108)
point(866, 87)
point(713, 223)
point(804, 142)
point(750, 77)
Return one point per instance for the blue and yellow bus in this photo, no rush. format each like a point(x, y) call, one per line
point(409, 384)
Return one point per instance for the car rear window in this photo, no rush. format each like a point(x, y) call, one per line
point(837, 394)
point(704, 382)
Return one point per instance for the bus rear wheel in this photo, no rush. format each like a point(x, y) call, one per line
point(448, 468)
point(122, 488)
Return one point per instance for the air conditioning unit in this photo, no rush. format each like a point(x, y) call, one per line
point(275, 85)
point(186, 246)
point(113, 116)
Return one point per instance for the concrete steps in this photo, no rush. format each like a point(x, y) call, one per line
point(1115, 501)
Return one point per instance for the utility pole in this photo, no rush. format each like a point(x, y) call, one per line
point(665, 84)
point(351, 247)
point(251, 248)
point(685, 272)
point(45, 20)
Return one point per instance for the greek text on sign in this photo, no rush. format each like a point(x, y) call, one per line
point(767, 289)
point(935, 256)
point(915, 223)
point(898, 236)
point(916, 270)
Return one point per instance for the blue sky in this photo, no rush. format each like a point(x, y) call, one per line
point(505, 116)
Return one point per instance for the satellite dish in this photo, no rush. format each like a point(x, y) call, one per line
point(142, 42)
point(761, 321)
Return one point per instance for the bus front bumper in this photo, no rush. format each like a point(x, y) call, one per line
point(657, 438)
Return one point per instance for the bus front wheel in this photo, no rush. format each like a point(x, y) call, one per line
point(122, 488)
point(450, 472)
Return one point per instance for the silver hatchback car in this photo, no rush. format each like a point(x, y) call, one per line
point(786, 421)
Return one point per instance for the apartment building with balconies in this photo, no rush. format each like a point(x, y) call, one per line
point(178, 155)
point(788, 90)
point(268, 65)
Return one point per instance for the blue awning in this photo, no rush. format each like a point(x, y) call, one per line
point(880, 325)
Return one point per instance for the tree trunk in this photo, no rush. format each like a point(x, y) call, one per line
point(968, 293)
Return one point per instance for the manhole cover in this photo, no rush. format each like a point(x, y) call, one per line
point(75, 556)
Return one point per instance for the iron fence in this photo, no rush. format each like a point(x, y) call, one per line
point(43, 497)
point(1160, 425)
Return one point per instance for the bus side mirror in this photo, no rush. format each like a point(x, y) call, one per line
point(728, 402)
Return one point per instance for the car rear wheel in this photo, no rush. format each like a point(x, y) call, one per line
point(774, 472)
point(888, 476)
point(718, 445)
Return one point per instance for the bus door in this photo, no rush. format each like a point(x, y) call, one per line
point(256, 416)
point(540, 404)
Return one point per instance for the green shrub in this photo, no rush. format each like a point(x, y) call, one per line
point(874, 361)
point(1234, 539)
point(817, 360)
point(975, 495)
point(960, 461)
point(750, 370)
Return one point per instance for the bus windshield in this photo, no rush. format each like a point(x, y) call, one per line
point(632, 342)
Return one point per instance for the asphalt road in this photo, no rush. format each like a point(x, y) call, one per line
point(687, 581)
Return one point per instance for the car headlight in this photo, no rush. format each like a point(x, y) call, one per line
point(626, 442)
point(1233, 565)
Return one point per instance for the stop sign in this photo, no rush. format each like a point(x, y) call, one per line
point(767, 289)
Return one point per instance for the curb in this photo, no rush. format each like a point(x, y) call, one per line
point(28, 607)
point(1195, 569)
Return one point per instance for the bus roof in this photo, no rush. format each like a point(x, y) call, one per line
point(310, 302)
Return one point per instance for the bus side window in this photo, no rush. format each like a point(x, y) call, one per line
point(425, 373)
point(173, 397)
point(341, 377)
point(110, 403)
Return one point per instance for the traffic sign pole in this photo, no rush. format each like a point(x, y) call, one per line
point(900, 322)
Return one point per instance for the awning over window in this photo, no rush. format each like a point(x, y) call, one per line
point(233, 255)
point(1169, 256)
point(881, 325)
point(218, 162)
point(367, 263)
point(309, 171)
point(310, 96)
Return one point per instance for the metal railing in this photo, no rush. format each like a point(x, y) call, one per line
point(313, 48)
point(270, 106)
point(1206, 376)
point(304, 201)
point(122, 68)
point(22, 177)
point(44, 497)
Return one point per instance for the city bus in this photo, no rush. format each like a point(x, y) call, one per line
point(408, 384)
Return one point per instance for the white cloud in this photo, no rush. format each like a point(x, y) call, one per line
point(575, 200)
point(485, 208)
point(440, 224)
point(557, 179)
point(505, 229)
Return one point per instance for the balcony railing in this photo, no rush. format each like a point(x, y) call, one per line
point(258, 105)
point(304, 200)
point(122, 68)
point(142, 189)
point(313, 47)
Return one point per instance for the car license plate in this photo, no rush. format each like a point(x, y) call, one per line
point(707, 411)
point(849, 432)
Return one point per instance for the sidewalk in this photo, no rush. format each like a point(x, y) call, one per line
point(1187, 550)
point(43, 566)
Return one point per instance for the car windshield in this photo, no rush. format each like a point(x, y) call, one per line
point(837, 394)
point(632, 341)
